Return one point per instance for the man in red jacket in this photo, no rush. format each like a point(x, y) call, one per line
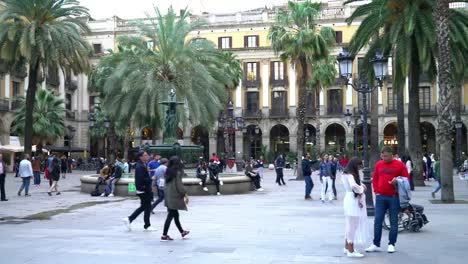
point(386, 197)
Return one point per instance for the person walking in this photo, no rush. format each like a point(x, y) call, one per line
point(307, 172)
point(436, 176)
point(143, 191)
point(354, 205)
point(158, 182)
point(335, 168)
point(279, 164)
point(25, 172)
point(36, 166)
point(63, 166)
point(176, 197)
point(55, 176)
point(2, 179)
point(386, 197)
point(325, 179)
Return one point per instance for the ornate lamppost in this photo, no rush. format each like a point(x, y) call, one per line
point(379, 62)
point(458, 146)
point(229, 124)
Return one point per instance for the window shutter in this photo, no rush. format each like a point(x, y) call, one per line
point(257, 40)
point(285, 70)
point(258, 70)
point(246, 41)
point(245, 71)
point(272, 70)
point(339, 37)
point(220, 43)
point(230, 42)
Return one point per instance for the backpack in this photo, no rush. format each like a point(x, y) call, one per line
point(95, 193)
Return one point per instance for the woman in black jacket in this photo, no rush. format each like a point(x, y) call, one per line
point(175, 197)
point(54, 177)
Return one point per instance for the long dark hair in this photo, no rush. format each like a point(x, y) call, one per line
point(173, 168)
point(353, 169)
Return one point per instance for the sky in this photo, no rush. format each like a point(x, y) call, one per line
point(137, 8)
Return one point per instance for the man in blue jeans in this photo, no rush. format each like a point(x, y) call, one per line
point(386, 197)
point(307, 172)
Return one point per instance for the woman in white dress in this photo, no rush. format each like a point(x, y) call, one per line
point(354, 204)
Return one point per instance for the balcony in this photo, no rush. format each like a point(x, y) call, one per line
point(252, 114)
point(70, 115)
point(428, 110)
point(310, 112)
point(276, 83)
point(279, 113)
point(335, 111)
point(15, 104)
point(252, 83)
point(4, 105)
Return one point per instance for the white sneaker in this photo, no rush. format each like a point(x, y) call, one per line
point(221, 183)
point(355, 254)
point(127, 223)
point(218, 193)
point(200, 183)
point(373, 248)
point(150, 229)
point(345, 251)
point(259, 189)
point(391, 249)
point(205, 189)
point(111, 195)
point(103, 194)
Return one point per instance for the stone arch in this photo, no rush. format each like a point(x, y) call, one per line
point(279, 139)
point(252, 140)
point(335, 138)
point(428, 136)
point(390, 135)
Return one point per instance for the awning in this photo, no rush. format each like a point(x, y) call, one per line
point(15, 148)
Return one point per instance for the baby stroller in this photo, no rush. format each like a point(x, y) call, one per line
point(411, 218)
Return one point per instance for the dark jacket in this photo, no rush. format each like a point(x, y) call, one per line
point(142, 178)
point(213, 170)
point(55, 173)
point(306, 167)
point(174, 193)
point(4, 167)
point(200, 169)
point(279, 162)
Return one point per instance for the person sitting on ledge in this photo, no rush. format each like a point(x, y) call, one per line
point(253, 174)
point(213, 169)
point(202, 173)
point(104, 174)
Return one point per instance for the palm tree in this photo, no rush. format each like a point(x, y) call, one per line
point(138, 77)
point(48, 118)
point(44, 34)
point(323, 76)
point(297, 37)
point(406, 29)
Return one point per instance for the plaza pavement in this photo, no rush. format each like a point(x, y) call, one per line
point(274, 226)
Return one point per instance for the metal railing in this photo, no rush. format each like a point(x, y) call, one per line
point(252, 114)
point(279, 113)
point(4, 105)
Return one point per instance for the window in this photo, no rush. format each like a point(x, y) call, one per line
point(251, 41)
point(311, 103)
point(97, 48)
point(339, 37)
point(425, 98)
point(16, 89)
point(278, 70)
point(252, 99)
point(93, 101)
point(391, 99)
point(278, 102)
point(251, 71)
point(335, 101)
point(225, 42)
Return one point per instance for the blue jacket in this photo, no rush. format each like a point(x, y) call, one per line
point(325, 168)
point(279, 163)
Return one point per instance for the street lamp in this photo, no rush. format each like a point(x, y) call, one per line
point(229, 124)
point(345, 60)
point(348, 116)
point(458, 129)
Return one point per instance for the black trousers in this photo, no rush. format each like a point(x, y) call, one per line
point(333, 186)
point(145, 206)
point(216, 182)
point(279, 176)
point(256, 180)
point(2, 186)
point(172, 214)
point(203, 180)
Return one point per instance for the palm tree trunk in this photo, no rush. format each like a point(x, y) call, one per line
point(30, 99)
point(400, 111)
point(126, 140)
point(316, 106)
point(445, 94)
point(374, 130)
point(301, 113)
point(414, 125)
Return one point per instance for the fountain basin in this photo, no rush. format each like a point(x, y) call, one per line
point(234, 183)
